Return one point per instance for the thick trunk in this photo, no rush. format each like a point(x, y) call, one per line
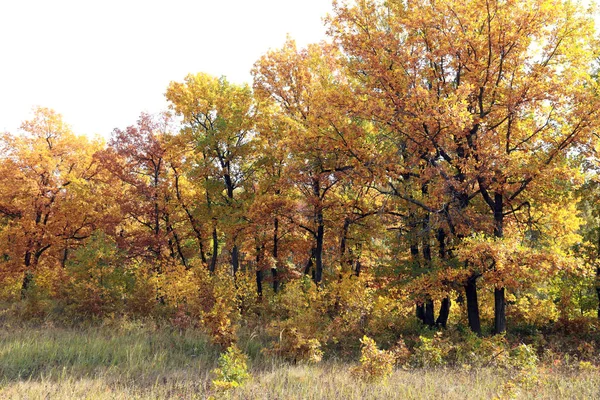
point(429, 313)
point(499, 311)
point(472, 304)
point(442, 319)
point(420, 311)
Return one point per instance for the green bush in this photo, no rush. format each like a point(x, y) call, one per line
point(233, 369)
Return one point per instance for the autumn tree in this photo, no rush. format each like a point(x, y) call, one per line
point(137, 157)
point(48, 196)
point(490, 96)
point(326, 146)
point(218, 125)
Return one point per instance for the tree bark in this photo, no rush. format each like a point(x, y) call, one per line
point(499, 311)
point(215, 244)
point(598, 289)
point(275, 254)
point(499, 295)
point(472, 304)
point(429, 313)
point(429, 319)
point(319, 248)
point(442, 319)
point(259, 290)
point(235, 259)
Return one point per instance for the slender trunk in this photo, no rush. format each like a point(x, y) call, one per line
point(229, 185)
point(473, 304)
point(319, 249)
point(177, 244)
point(31, 261)
point(235, 259)
point(345, 261)
point(275, 254)
point(598, 289)
point(190, 217)
point(215, 237)
point(442, 319)
point(27, 275)
point(63, 261)
point(309, 263)
point(320, 234)
point(414, 255)
point(259, 290)
point(499, 295)
point(215, 245)
point(357, 268)
point(598, 274)
point(429, 318)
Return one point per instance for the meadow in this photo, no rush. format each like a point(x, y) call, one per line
point(133, 360)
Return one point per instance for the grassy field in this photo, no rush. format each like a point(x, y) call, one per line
point(131, 361)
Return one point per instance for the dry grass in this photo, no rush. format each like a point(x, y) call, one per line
point(138, 362)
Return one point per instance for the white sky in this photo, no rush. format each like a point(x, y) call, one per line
point(101, 62)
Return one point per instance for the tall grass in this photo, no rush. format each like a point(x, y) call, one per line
point(135, 361)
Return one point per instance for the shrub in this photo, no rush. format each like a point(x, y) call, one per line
point(296, 347)
point(375, 364)
point(429, 353)
point(233, 369)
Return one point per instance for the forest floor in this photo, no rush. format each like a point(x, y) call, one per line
point(133, 362)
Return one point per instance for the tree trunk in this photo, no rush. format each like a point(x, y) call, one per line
point(414, 255)
point(319, 249)
point(442, 319)
point(65, 257)
point(190, 217)
point(598, 289)
point(235, 259)
point(429, 306)
point(275, 254)
point(215, 244)
point(499, 295)
point(499, 311)
point(429, 313)
point(310, 262)
point(27, 276)
point(259, 291)
point(472, 304)
point(420, 311)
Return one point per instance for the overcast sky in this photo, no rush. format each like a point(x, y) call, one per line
point(101, 63)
